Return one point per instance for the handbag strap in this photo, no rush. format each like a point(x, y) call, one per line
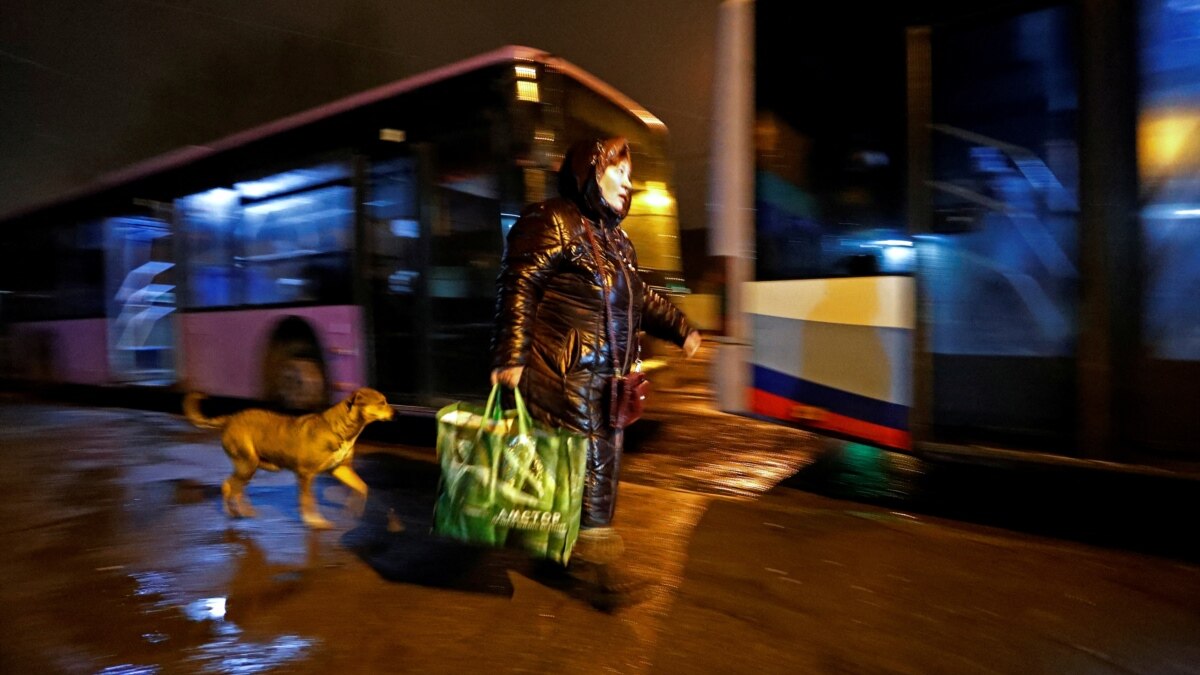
point(612, 335)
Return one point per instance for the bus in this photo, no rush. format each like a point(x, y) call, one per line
point(976, 232)
point(354, 244)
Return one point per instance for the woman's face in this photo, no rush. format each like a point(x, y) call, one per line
point(615, 187)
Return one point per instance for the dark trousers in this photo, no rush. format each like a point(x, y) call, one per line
point(603, 473)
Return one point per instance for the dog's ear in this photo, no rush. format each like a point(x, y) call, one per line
point(353, 400)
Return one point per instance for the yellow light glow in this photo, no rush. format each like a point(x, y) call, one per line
point(526, 72)
point(392, 135)
point(648, 118)
point(656, 197)
point(545, 135)
point(527, 91)
point(1163, 139)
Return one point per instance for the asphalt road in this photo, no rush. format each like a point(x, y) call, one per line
point(117, 558)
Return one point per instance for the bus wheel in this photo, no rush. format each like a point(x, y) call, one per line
point(295, 380)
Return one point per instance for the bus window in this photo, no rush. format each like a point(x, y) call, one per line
point(1168, 147)
point(395, 275)
point(80, 262)
point(141, 299)
point(1169, 137)
point(1001, 265)
point(53, 273)
point(465, 250)
point(296, 248)
point(281, 239)
point(208, 222)
point(829, 148)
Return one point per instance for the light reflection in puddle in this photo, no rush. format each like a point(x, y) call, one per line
point(230, 656)
point(213, 611)
point(130, 669)
point(152, 583)
point(205, 609)
point(155, 638)
point(226, 654)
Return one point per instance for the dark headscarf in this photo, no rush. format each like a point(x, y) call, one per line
point(581, 166)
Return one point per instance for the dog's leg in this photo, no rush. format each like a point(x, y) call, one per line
point(233, 492)
point(308, 504)
point(358, 501)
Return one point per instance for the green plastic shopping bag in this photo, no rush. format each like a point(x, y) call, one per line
point(507, 480)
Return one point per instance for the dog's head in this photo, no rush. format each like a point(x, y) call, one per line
point(370, 404)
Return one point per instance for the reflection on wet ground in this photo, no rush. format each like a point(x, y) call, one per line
point(684, 443)
point(128, 564)
point(117, 558)
point(112, 568)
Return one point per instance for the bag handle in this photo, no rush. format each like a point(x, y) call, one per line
point(524, 428)
point(493, 412)
point(524, 421)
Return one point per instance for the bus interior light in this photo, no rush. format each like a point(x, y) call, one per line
point(275, 205)
point(406, 228)
point(289, 181)
point(527, 91)
point(393, 135)
point(897, 259)
point(507, 220)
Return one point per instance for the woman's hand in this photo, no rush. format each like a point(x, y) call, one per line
point(692, 343)
point(509, 377)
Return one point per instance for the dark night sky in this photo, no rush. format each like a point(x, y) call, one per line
point(90, 86)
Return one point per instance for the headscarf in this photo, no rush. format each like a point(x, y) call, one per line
point(583, 163)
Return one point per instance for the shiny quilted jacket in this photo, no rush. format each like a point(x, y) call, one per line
point(551, 316)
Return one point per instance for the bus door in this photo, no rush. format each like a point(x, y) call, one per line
point(465, 247)
point(396, 270)
point(141, 289)
point(999, 256)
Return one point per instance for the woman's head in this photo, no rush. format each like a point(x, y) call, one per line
point(595, 175)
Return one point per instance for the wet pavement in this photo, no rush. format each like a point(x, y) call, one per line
point(117, 558)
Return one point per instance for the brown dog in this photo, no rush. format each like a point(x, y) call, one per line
point(306, 445)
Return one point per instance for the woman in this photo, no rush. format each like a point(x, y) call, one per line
point(552, 325)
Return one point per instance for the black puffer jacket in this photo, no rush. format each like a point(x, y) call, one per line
point(550, 313)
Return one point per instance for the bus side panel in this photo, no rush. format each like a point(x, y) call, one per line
point(73, 351)
point(835, 355)
point(224, 351)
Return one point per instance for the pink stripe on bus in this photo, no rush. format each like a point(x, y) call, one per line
point(223, 352)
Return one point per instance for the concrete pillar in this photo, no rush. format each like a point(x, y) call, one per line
point(731, 195)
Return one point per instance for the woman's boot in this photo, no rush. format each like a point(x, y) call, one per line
point(598, 563)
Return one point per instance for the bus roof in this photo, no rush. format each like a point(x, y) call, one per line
point(186, 155)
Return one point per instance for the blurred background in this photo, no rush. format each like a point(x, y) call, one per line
point(94, 87)
point(944, 255)
point(876, 208)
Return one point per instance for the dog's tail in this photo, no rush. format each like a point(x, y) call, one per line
point(191, 410)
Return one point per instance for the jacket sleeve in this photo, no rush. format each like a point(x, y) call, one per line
point(534, 253)
point(660, 317)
